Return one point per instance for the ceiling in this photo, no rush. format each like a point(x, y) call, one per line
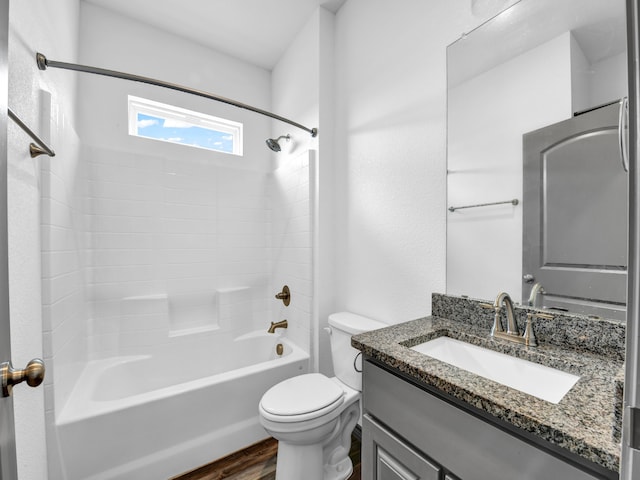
point(256, 31)
point(598, 26)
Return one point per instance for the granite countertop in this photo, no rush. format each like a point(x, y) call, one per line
point(585, 422)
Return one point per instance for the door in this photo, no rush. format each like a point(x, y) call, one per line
point(630, 461)
point(8, 468)
point(575, 214)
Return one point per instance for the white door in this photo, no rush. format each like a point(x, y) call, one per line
point(630, 464)
point(8, 469)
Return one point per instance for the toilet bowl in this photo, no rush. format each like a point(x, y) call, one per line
point(312, 416)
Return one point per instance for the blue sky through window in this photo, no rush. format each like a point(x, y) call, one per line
point(176, 131)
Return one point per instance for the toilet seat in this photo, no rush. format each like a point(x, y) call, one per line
point(301, 398)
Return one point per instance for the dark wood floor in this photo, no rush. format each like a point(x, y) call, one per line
point(256, 462)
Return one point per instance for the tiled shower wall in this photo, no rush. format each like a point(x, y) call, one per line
point(139, 251)
point(64, 313)
point(292, 243)
point(168, 239)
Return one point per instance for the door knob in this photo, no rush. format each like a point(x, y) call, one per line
point(33, 374)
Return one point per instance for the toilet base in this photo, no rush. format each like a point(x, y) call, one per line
point(321, 461)
point(301, 461)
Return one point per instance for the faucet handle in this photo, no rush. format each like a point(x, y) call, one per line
point(497, 325)
point(529, 336)
point(284, 295)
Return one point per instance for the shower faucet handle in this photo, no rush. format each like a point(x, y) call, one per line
point(284, 295)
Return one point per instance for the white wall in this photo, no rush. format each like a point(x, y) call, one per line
point(141, 49)
point(389, 157)
point(51, 29)
point(609, 79)
point(597, 83)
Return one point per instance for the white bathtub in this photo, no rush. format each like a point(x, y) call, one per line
point(155, 416)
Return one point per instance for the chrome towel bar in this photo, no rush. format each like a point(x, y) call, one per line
point(34, 150)
point(512, 202)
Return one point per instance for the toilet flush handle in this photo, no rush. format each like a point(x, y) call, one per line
point(328, 330)
point(355, 364)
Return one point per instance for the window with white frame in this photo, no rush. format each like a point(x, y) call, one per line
point(168, 123)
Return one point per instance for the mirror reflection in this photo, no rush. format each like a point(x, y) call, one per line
point(536, 181)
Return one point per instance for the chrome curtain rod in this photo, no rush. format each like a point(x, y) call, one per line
point(34, 150)
point(43, 62)
point(512, 202)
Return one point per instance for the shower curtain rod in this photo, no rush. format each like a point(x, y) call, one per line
point(43, 62)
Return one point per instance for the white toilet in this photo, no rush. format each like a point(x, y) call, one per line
point(312, 416)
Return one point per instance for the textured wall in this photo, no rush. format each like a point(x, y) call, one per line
point(390, 153)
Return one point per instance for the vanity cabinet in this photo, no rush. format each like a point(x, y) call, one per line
point(410, 432)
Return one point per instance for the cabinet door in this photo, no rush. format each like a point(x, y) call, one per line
point(386, 457)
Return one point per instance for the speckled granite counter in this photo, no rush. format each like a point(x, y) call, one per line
point(585, 422)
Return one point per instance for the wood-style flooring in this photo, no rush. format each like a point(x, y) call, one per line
point(256, 462)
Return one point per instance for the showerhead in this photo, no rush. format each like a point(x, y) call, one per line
point(273, 143)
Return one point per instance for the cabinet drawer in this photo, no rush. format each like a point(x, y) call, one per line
point(387, 457)
point(457, 440)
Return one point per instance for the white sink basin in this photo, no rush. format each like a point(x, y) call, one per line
point(543, 382)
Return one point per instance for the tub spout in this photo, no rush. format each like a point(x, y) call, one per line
point(280, 324)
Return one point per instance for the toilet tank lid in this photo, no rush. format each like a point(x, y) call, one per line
point(354, 324)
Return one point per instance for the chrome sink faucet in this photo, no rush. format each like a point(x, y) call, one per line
point(503, 298)
point(512, 334)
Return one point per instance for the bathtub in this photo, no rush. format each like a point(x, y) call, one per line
point(158, 415)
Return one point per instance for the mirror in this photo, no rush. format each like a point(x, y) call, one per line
point(538, 65)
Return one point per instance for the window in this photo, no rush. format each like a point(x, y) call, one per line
point(167, 123)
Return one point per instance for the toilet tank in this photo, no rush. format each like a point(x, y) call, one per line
point(347, 361)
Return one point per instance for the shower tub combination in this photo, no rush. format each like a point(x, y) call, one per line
point(155, 416)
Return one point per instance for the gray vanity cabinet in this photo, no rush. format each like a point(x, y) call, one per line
point(410, 433)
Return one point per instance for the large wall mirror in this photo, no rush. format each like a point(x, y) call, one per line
point(536, 181)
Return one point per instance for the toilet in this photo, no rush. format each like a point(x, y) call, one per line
point(312, 416)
